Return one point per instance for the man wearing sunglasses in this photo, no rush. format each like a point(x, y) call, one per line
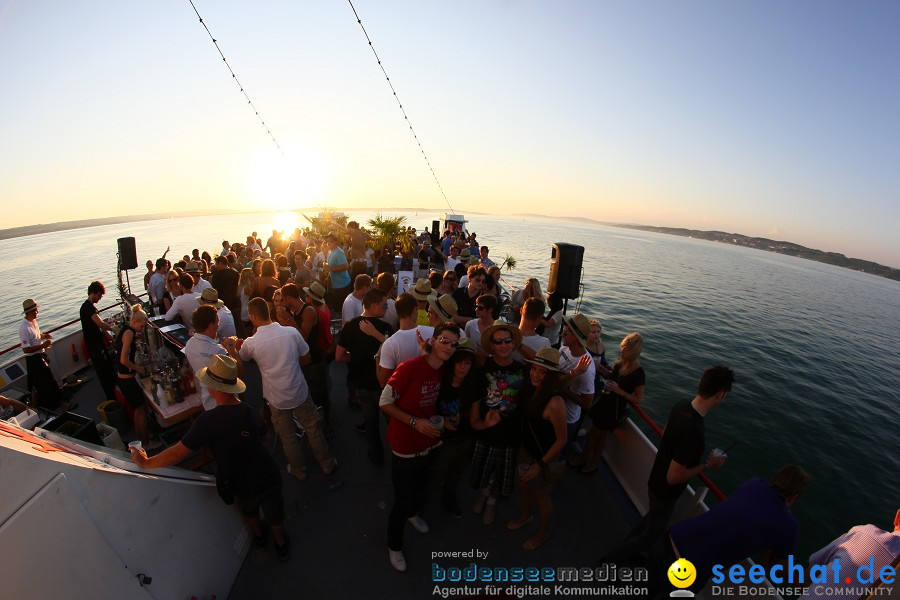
point(410, 400)
point(496, 418)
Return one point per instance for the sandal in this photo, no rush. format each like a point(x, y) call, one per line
point(519, 523)
point(530, 544)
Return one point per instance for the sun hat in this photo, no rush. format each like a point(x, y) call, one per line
point(28, 306)
point(316, 291)
point(221, 374)
point(465, 255)
point(467, 346)
point(422, 290)
point(488, 333)
point(444, 306)
point(546, 357)
point(210, 296)
point(192, 267)
point(580, 326)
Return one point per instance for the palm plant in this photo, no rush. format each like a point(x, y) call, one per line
point(388, 231)
point(509, 263)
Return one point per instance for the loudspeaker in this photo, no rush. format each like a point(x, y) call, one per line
point(127, 254)
point(565, 270)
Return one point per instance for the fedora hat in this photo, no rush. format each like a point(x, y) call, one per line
point(221, 374)
point(28, 306)
point(422, 290)
point(192, 267)
point(579, 325)
point(488, 333)
point(465, 255)
point(467, 346)
point(546, 357)
point(444, 306)
point(316, 291)
point(210, 296)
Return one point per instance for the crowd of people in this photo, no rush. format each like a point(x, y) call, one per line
point(458, 387)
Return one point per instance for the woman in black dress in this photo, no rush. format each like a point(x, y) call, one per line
point(624, 386)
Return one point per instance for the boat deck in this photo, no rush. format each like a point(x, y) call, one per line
point(338, 524)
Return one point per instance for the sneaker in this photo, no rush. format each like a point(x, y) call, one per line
point(418, 523)
point(361, 427)
point(398, 561)
point(490, 513)
point(329, 470)
point(284, 552)
point(300, 475)
point(453, 508)
point(480, 501)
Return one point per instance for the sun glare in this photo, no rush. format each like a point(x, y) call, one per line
point(296, 179)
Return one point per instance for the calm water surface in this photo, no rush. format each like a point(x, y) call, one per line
point(816, 348)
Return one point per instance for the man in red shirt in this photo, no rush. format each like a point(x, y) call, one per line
point(410, 400)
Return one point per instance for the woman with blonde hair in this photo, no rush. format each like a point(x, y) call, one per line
point(531, 289)
point(126, 346)
point(624, 385)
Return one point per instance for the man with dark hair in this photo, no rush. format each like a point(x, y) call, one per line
point(183, 306)
point(678, 460)
point(385, 282)
point(465, 297)
point(202, 346)
point(93, 328)
point(404, 344)
point(279, 352)
point(485, 261)
point(357, 344)
point(225, 280)
point(754, 520)
point(353, 303)
point(233, 432)
point(336, 264)
point(410, 400)
point(157, 285)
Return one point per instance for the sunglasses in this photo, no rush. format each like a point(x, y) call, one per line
point(501, 340)
point(448, 341)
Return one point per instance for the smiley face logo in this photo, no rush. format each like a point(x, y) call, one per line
point(682, 573)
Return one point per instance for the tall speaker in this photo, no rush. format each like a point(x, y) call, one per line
point(127, 254)
point(565, 270)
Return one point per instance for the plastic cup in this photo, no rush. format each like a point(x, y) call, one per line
point(135, 446)
point(717, 452)
point(522, 468)
point(437, 421)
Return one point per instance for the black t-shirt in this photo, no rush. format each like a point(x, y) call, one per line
point(455, 404)
point(465, 304)
point(503, 391)
point(226, 283)
point(233, 433)
point(93, 337)
point(362, 349)
point(683, 441)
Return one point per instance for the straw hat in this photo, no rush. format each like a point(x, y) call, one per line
point(467, 346)
point(580, 326)
point(192, 267)
point(210, 296)
point(316, 291)
point(444, 306)
point(221, 374)
point(28, 306)
point(488, 333)
point(465, 255)
point(423, 290)
point(546, 357)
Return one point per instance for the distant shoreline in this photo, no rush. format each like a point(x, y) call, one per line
point(779, 247)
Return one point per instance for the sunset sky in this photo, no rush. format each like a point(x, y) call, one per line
point(772, 118)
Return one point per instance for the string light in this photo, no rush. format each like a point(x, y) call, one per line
point(402, 110)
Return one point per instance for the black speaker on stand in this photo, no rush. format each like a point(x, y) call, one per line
point(565, 271)
point(127, 260)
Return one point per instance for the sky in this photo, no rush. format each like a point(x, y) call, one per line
point(778, 119)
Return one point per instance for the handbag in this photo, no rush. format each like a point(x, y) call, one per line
point(557, 467)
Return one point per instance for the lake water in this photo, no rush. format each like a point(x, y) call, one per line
point(816, 348)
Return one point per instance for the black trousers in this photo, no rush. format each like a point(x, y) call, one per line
point(105, 373)
point(40, 377)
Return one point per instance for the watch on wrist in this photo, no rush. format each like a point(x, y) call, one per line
point(412, 422)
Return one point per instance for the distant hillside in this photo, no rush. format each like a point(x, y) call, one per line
point(789, 248)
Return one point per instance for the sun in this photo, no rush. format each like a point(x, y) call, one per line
point(297, 178)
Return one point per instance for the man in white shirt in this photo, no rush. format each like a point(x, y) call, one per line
point(404, 344)
point(200, 284)
point(40, 377)
point(202, 347)
point(532, 312)
point(183, 306)
point(279, 351)
point(576, 330)
point(210, 296)
point(353, 303)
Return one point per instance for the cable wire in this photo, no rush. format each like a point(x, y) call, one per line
point(402, 110)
